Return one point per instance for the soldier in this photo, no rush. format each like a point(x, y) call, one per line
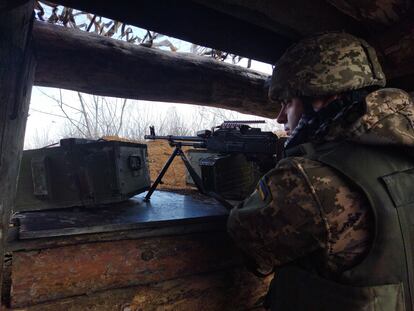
point(335, 219)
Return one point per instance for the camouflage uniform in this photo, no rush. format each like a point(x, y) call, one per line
point(304, 208)
point(292, 215)
point(308, 214)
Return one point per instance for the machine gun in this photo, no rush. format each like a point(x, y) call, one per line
point(231, 137)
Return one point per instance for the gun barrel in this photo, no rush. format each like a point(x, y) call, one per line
point(175, 138)
point(245, 122)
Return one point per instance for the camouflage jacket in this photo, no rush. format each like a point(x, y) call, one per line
point(304, 209)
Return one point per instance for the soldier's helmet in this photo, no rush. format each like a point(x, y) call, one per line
point(325, 64)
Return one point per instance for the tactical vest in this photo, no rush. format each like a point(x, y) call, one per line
point(384, 279)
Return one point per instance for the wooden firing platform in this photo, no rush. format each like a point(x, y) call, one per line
point(164, 209)
point(172, 253)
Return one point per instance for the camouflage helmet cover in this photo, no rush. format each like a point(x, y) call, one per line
point(325, 64)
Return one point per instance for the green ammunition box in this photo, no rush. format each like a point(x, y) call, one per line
point(194, 156)
point(81, 173)
point(232, 176)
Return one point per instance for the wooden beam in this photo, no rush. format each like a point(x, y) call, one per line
point(195, 23)
point(229, 289)
point(62, 272)
point(86, 62)
point(263, 30)
point(293, 18)
point(16, 80)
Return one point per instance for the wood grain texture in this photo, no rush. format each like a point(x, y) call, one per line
point(229, 289)
point(95, 64)
point(294, 18)
point(16, 244)
point(17, 67)
point(165, 209)
point(49, 274)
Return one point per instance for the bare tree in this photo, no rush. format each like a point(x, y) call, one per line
point(138, 119)
point(91, 116)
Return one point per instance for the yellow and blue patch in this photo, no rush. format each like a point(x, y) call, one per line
point(263, 189)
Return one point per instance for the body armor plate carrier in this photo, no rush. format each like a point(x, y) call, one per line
point(384, 279)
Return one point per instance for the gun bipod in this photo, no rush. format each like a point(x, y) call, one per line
point(197, 180)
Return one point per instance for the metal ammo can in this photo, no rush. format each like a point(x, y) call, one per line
point(81, 172)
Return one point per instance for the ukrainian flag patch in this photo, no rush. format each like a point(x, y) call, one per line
point(263, 189)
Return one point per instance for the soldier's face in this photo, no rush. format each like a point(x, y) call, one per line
point(290, 114)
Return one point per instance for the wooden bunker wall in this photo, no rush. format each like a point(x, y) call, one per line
point(199, 270)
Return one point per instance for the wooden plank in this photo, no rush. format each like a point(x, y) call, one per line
point(121, 69)
point(165, 209)
point(230, 289)
point(16, 79)
point(49, 274)
point(53, 242)
point(294, 18)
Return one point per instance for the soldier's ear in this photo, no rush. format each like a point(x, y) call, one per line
point(321, 102)
point(329, 99)
point(318, 104)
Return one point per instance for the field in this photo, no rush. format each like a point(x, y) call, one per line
point(158, 153)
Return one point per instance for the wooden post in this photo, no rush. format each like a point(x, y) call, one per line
point(17, 67)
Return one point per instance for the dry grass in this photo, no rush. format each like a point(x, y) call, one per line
point(158, 153)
